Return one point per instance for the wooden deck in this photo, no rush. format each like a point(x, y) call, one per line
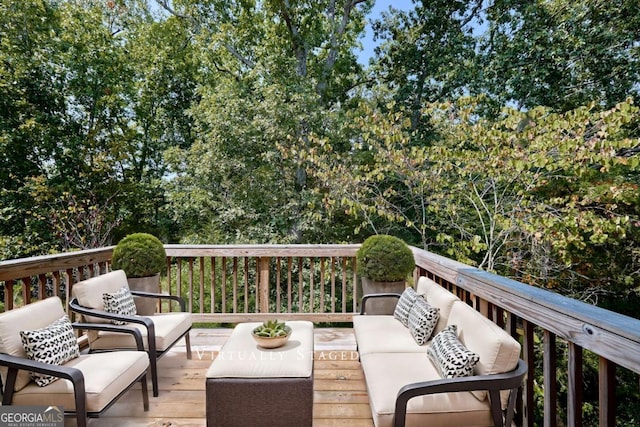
point(340, 396)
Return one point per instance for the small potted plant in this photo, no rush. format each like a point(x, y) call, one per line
point(383, 263)
point(271, 334)
point(143, 259)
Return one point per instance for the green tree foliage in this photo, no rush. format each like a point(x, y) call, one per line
point(91, 98)
point(564, 56)
point(31, 107)
point(545, 190)
point(536, 195)
point(275, 71)
point(561, 54)
point(428, 53)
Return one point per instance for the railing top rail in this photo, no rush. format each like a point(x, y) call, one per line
point(590, 314)
point(24, 267)
point(262, 250)
point(605, 332)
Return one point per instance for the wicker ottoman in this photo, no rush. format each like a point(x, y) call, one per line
point(251, 386)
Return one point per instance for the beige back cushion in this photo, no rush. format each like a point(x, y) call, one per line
point(89, 292)
point(424, 284)
point(32, 316)
point(498, 351)
point(437, 296)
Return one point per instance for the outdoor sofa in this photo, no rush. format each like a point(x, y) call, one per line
point(407, 386)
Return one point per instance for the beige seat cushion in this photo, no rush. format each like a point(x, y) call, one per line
point(105, 376)
point(383, 334)
point(168, 328)
point(437, 296)
point(32, 316)
point(387, 373)
point(498, 351)
point(89, 292)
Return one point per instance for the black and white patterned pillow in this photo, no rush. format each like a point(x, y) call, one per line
point(120, 302)
point(450, 356)
point(422, 320)
point(54, 344)
point(406, 301)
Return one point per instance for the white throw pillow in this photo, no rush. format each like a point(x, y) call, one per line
point(54, 344)
point(422, 320)
point(406, 301)
point(450, 356)
point(120, 302)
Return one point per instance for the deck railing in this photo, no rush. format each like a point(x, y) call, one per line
point(42, 276)
point(319, 283)
point(251, 282)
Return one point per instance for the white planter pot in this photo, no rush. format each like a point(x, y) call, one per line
point(145, 306)
point(381, 305)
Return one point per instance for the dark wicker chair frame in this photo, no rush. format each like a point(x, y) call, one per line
point(154, 353)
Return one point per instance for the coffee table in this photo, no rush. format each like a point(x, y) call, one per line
point(248, 385)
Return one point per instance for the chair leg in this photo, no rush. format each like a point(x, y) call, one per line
point(81, 420)
point(496, 409)
point(153, 364)
point(187, 343)
point(81, 404)
point(153, 358)
point(145, 392)
point(511, 406)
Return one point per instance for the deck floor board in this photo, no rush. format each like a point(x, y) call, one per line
point(340, 394)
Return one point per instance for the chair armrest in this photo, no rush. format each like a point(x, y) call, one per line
point(15, 364)
point(179, 300)
point(113, 328)
point(141, 320)
point(76, 307)
point(493, 383)
point(367, 297)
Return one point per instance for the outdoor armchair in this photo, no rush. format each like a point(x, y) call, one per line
point(40, 364)
point(160, 332)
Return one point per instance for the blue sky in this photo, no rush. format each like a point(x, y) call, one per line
point(379, 7)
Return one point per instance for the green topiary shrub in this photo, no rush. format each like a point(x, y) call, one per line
point(384, 258)
point(139, 255)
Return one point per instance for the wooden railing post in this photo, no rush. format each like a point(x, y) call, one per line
point(190, 302)
point(574, 395)
point(550, 380)
point(26, 290)
point(263, 284)
point(607, 391)
point(8, 294)
point(528, 353)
